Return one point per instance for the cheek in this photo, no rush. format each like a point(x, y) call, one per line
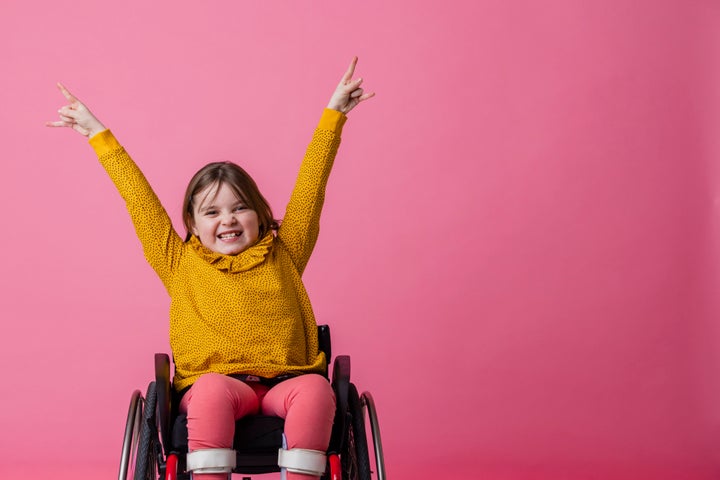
point(200, 227)
point(251, 218)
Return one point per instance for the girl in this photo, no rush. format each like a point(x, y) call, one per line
point(238, 310)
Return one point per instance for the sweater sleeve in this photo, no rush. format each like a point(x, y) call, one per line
point(161, 244)
point(301, 224)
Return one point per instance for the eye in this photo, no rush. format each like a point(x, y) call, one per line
point(240, 207)
point(210, 212)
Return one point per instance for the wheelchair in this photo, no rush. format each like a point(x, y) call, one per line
point(155, 439)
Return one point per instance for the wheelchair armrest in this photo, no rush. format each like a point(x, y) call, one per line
point(340, 385)
point(324, 341)
point(162, 386)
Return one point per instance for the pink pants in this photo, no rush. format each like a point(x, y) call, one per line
point(214, 402)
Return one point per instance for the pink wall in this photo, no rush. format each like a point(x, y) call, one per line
point(519, 248)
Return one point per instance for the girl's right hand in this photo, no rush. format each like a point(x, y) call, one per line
point(76, 116)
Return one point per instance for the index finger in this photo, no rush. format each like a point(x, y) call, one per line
point(66, 92)
point(351, 69)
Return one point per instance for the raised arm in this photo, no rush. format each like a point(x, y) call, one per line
point(161, 244)
point(300, 227)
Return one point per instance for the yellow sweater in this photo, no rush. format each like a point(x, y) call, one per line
point(247, 313)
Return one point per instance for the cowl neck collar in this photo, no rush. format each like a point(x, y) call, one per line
point(241, 262)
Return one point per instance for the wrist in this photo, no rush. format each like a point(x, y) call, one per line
point(96, 128)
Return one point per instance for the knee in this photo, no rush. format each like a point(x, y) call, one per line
point(213, 388)
point(227, 396)
point(316, 390)
point(210, 384)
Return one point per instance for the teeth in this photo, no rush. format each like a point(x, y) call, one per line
point(230, 235)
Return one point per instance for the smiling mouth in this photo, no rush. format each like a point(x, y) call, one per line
point(229, 235)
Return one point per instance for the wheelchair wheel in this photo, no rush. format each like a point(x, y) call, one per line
point(354, 457)
point(147, 449)
point(131, 438)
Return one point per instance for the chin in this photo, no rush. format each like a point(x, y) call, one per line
point(235, 251)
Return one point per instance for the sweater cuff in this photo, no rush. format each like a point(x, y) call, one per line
point(104, 142)
point(332, 120)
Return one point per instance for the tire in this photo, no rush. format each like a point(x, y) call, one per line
point(354, 456)
point(146, 461)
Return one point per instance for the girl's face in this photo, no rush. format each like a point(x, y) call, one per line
point(222, 222)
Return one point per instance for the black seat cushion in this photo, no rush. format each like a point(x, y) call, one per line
point(257, 441)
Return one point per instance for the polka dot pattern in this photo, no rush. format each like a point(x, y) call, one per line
point(248, 313)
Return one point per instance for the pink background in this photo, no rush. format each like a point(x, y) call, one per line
point(520, 244)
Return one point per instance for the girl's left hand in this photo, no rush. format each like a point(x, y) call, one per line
point(348, 93)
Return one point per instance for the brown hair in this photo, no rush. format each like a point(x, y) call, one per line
point(241, 183)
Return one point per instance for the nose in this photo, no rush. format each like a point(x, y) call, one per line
point(228, 218)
